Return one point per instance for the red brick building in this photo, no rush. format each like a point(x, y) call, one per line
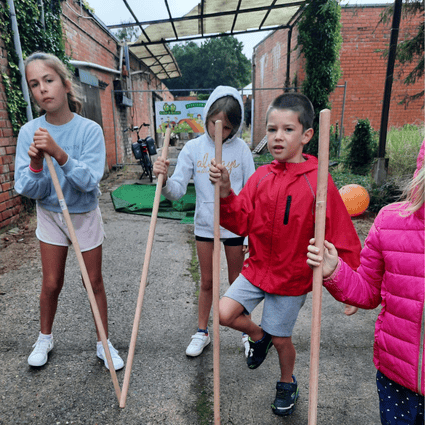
point(363, 71)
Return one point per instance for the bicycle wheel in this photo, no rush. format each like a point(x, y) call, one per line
point(147, 167)
point(142, 163)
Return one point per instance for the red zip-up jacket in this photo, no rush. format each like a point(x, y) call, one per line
point(276, 209)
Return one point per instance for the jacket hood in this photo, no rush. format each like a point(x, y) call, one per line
point(219, 92)
point(296, 168)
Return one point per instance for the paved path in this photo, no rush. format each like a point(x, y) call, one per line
point(166, 387)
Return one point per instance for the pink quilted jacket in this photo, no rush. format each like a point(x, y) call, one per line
point(391, 273)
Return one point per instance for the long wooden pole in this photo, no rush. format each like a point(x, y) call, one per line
point(144, 277)
point(84, 273)
point(319, 234)
point(216, 276)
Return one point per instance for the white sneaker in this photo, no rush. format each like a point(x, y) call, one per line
point(42, 347)
point(116, 359)
point(198, 343)
point(245, 343)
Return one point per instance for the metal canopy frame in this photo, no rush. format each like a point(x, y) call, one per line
point(210, 18)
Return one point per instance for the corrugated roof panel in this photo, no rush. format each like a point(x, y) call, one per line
point(217, 17)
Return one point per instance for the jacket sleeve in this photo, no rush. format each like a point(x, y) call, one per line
point(361, 288)
point(236, 210)
point(176, 185)
point(340, 229)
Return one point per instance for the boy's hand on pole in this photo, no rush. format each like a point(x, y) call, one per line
point(330, 260)
point(219, 174)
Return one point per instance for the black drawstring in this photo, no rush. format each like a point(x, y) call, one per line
point(288, 206)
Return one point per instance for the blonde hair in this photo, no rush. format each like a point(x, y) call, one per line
point(74, 102)
point(414, 193)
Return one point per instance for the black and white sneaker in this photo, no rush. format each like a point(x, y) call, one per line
point(258, 350)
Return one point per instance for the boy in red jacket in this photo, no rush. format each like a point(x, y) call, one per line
point(276, 209)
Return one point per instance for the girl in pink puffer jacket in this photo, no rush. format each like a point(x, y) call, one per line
point(391, 273)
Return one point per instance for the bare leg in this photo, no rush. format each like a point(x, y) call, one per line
point(93, 262)
point(53, 259)
point(287, 354)
point(232, 315)
point(205, 253)
point(235, 258)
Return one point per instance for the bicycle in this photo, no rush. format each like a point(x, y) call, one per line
point(142, 150)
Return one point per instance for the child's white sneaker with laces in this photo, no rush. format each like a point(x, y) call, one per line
point(42, 347)
point(116, 359)
point(245, 343)
point(199, 341)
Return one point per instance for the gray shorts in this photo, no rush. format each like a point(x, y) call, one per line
point(279, 312)
point(88, 227)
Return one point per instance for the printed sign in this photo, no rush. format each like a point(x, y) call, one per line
point(184, 116)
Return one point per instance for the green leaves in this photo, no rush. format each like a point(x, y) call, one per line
point(33, 37)
point(320, 42)
point(217, 61)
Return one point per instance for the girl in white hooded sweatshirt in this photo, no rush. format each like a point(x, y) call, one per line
point(224, 104)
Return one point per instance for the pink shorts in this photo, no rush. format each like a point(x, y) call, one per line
point(88, 227)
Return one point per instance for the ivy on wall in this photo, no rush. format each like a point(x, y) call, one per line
point(320, 40)
point(34, 36)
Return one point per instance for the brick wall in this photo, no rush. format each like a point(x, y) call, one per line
point(364, 70)
point(269, 72)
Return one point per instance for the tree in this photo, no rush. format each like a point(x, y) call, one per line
point(319, 38)
point(217, 61)
point(411, 49)
point(127, 33)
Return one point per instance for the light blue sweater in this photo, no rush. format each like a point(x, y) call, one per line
point(83, 141)
point(193, 162)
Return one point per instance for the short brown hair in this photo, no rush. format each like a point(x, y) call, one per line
point(295, 102)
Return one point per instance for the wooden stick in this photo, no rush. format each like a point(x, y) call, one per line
point(84, 273)
point(216, 276)
point(319, 234)
point(144, 278)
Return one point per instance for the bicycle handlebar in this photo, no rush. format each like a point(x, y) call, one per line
point(136, 128)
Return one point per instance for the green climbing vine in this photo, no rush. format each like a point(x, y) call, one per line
point(320, 39)
point(34, 36)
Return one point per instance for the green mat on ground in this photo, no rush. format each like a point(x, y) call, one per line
point(138, 199)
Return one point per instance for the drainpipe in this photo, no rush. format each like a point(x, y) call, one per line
point(41, 5)
point(288, 61)
point(82, 64)
point(18, 49)
point(253, 97)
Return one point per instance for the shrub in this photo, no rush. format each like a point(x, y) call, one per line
point(383, 195)
point(402, 150)
point(342, 178)
point(362, 148)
